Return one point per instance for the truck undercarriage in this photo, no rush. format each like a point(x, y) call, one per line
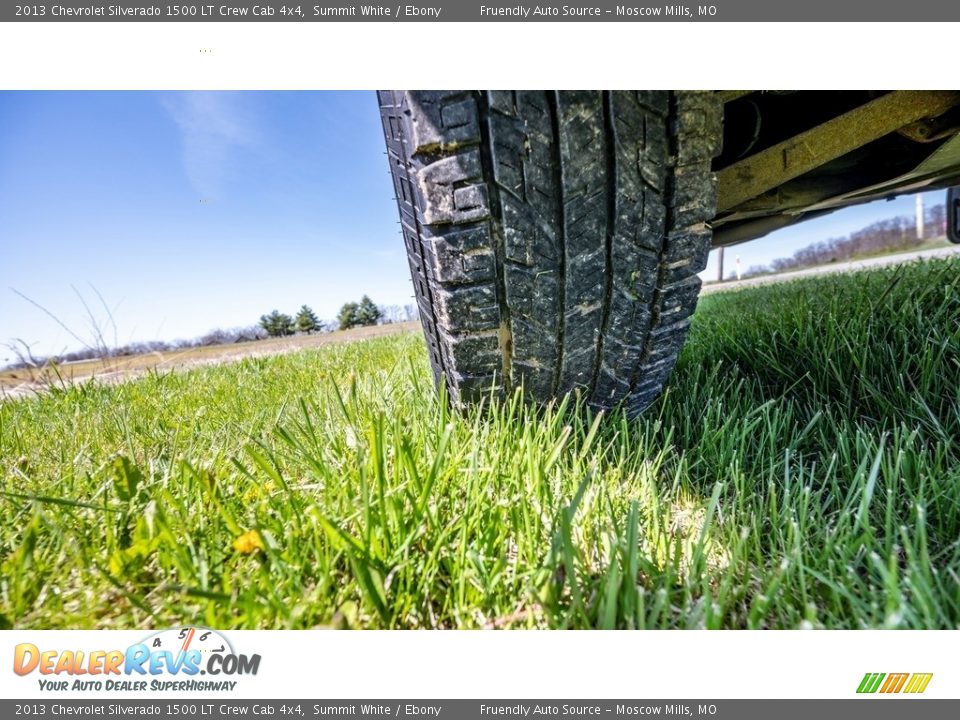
point(790, 156)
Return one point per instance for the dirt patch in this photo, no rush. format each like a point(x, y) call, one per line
point(29, 381)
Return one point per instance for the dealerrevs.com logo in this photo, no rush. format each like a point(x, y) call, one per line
point(169, 660)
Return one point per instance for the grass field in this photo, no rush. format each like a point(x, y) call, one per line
point(801, 471)
point(28, 381)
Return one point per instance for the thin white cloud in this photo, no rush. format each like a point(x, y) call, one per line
point(213, 127)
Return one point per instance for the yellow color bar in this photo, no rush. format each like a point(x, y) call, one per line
point(918, 682)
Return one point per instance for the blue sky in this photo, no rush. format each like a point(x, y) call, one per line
point(197, 210)
point(105, 189)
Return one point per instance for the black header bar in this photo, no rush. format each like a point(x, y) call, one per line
point(486, 11)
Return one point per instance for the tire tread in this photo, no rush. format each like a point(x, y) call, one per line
point(554, 238)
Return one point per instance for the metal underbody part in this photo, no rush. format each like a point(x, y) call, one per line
point(791, 156)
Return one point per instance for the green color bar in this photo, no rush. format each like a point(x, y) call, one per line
point(870, 682)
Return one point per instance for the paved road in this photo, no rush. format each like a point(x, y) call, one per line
point(851, 266)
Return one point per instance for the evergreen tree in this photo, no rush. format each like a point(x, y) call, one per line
point(367, 312)
point(306, 320)
point(348, 316)
point(277, 324)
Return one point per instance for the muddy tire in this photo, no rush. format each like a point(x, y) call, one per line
point(554, 238)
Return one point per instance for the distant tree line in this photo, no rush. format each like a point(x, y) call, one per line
point(359, 314)
point(274, 324)
point(215, 337)
point(884, 236)
point(352, 314)
point(278, 324)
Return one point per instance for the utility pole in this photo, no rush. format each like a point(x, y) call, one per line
point(919, 216)
point(720, 271)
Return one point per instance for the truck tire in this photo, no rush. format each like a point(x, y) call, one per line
point(554, 238)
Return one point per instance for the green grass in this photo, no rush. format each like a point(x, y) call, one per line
point(801, 471)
